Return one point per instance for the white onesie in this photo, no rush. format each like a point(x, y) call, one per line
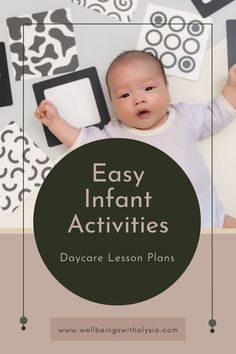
point(178, 137)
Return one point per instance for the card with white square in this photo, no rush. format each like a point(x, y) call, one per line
point(177, 38)
point(16, 148)
point(78, 97)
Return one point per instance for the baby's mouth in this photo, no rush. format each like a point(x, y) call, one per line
point(143, 113)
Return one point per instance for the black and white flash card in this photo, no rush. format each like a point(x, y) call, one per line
point(78, 97)
point(231, 41)
point(208, 7)
point(5, 88)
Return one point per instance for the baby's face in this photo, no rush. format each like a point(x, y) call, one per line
point(139, 93)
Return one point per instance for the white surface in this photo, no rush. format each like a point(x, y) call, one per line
point(75, 101)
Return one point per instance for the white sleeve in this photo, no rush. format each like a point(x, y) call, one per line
point(230, 109)
point(212, 118)
point(86, 136)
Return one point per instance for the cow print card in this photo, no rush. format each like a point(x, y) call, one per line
point(36, 167)
point(177, 38)
point(121, 10)
point(47, 47)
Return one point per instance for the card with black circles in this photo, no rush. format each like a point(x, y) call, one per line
point(23, 167)
point(177, 38)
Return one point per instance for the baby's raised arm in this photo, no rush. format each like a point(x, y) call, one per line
point(229, 90)
point(48, 114)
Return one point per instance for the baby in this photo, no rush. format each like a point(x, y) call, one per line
point(140, 98)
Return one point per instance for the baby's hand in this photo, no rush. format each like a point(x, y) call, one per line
point(232, 77)
point(47, 113)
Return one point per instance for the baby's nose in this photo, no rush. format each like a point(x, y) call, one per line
point(139, 100)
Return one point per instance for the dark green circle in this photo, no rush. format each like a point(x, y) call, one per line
point(212, 323)
point(23, 320)
point(62, 196)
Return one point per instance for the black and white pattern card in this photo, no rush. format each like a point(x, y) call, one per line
point(177, 38)
point(36, 167)
point(78, 97)
point(5, 87)
point(121, 10)
point(208, 7)
point(49, 44)
point(231, 41)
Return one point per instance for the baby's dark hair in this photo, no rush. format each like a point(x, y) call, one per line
point(137, 54)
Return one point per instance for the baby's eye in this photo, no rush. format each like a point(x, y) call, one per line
point(124, 95)
point(149, 88)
